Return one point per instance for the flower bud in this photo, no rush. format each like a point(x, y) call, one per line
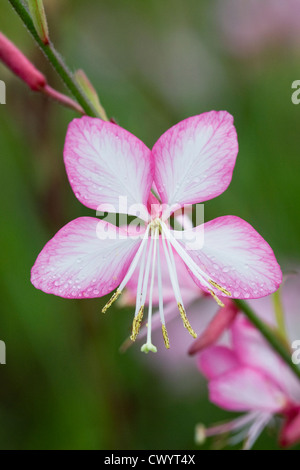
point(20, 65)
point(290, 433)
point(38, 15)
point(221, 321)
point(90, 92)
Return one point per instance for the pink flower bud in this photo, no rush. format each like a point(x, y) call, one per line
point(221, 321)
point(20, 65)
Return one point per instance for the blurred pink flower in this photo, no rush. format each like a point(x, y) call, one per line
point(252, 26)
point(247, 375)
point(112, 170)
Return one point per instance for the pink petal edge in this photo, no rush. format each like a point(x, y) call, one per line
point(236, 257)
point(194, 159)
point(81, 261)
point(104, 163)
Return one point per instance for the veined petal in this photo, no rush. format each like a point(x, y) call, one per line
point(104, 163)
point(244, 389)
point(86, 258)
point(194, 160)
point(217, 360)
point(235, 256)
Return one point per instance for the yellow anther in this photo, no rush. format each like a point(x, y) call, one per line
point(166, 337)
point(219, 302)
point(136, 325)
point(220, 288)
point(186, 323)
point(113, 298)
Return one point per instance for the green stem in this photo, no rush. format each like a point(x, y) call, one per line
point(279, 313)
point(269, 335)
point(56, 60)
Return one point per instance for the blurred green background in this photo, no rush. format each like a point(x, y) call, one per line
point(154, 63)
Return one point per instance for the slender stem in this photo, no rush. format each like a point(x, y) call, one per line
point(56, 60)
point(268, 334)
point(62, 99)
point(279, 313)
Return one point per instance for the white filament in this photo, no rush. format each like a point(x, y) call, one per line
point(160, 288)
point(140, 281)
point(135, 261)
point(172, 275)
point(146, 275)
point(198, 273)
point(151, 288)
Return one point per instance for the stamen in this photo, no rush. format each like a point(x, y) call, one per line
point(135, 261)
point(174, 281)
point(172, 272)
point(256, 429)
point(234, 425)
point(113, 298)
point(198, 273)
point(220, 288)
point(129, 272)
point(166, 337)
point(136, 325)
point(219, 302)
point(160, 288)
point(140, 282)
point(186, 323)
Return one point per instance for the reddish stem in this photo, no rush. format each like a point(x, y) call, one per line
point(62, 99)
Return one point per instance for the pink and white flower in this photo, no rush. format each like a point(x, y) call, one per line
point(191, 162)
point(248, 376)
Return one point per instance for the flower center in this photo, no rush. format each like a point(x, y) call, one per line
point(158, 236)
